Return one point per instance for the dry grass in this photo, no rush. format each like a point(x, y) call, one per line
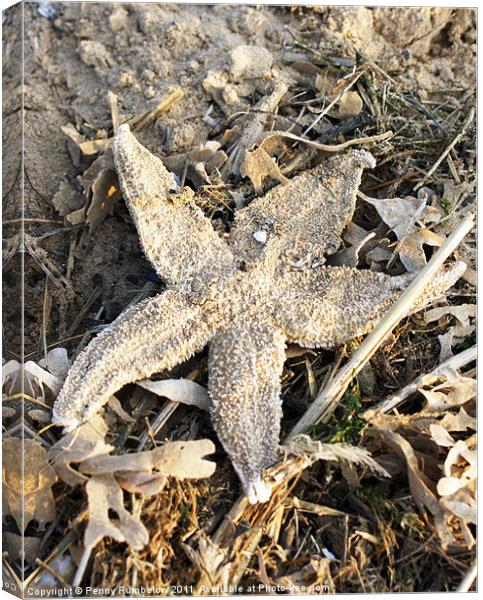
point(201, 536)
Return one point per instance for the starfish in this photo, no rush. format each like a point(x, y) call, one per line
point(247, 293)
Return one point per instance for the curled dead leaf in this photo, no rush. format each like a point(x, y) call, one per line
point(147, 484)
point(179, 390)
point(399, 214)
point(27, 492)
point(454, 392)
point(83, 443)
point(174, 459)
point(57, 362)
point(102, 197)
point(257, 166)
point(103, 495)
point(411, 252)
point(197, 165)
point(349, 105)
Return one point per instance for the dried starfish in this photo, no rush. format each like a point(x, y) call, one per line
point(248, 295)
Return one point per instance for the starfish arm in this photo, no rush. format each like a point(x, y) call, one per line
point(326, 307)
point(176, 237)
point(246, 363)
point(302, 221)
point(152, 336)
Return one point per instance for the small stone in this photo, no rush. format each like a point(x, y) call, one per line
point(250, 62)
point(149, 92)
point(126, 79)
point(261, 236)
point(148, 75)
point(119, 18)
point(95, 54)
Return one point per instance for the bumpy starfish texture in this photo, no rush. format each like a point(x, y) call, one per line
point(246, 295)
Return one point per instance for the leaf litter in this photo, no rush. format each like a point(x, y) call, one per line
point(297, 538)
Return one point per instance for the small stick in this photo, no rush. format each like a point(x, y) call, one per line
point(160, 420)
point(447, 151)
point(86, 554)
point(468, 579)
point(333, 103)
point(455, 362)
point(53, 572)
point(18, 221)
point(113, 105)
point(93, 296)
point(326, 147)
point(328, 398)
point(163, 106)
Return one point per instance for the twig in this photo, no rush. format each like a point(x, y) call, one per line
point(328, 398)
point(160, 420)
point(138, 123)
point(333, 103)
point(93, 296)
point(447, 151)
point(325, 147)
point(468, 579)
point(53, 572)
point(455, 362)
point(18, 221)
point(113, 105)
point(86, 554)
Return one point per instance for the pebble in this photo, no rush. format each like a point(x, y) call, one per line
point(250, 62)
point(261, 236)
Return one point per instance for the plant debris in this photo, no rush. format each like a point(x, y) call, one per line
point(235, 99)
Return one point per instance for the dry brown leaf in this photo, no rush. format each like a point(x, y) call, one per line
point(40, 415)
point(257, 166)
point(380, 253)
point(400, 214)
point(77, 217)
point(179, 390)
point(27, 495)
point(104, 193)
point(349, 257)
point(326, 80)
point(310, 578)
point(463, 313)
point(197, 165)
point(455, 391)
point(71, 132)
point(174, 459)
point(461, 453)
point(418, 482)
point(34, 378)
point(67, 199)
point(446, 342)
point(440, 435)
point(83, 443)
point(114, 404)
point(92, 147)
point(349, 105)
point(411, 252)
point(104, 494)
point(142, 483)
point(458, 422)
